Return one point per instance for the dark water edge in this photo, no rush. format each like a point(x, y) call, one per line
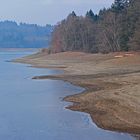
point(34, 110)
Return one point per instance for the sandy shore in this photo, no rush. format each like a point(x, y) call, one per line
point(112, 83)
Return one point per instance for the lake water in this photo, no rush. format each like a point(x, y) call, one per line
point(34, 110)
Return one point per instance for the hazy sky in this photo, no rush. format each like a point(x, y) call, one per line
point(47, 11)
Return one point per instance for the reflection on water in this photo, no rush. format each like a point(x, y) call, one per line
point(33, 110)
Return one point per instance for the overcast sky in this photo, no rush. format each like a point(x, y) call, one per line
point(47, 11)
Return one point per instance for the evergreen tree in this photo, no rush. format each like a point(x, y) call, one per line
point(71, 15)
point(119, 5)
point(90, 14)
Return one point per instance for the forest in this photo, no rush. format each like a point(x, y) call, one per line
point(13, 35)
point(113, 29)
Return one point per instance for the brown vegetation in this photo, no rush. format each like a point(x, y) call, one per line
point(113, 29)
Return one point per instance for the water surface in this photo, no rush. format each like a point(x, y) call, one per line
point(34, 110)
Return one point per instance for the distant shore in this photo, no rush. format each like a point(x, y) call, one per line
point(112, 83)
point(18, 49)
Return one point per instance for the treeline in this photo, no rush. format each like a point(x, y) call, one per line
point(13, 35)
point(114, 29)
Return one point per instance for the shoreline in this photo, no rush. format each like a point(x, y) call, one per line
point(76, 106)
point(102, 97)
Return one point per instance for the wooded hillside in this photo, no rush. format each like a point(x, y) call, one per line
point(13, 35)
point(114, 29)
